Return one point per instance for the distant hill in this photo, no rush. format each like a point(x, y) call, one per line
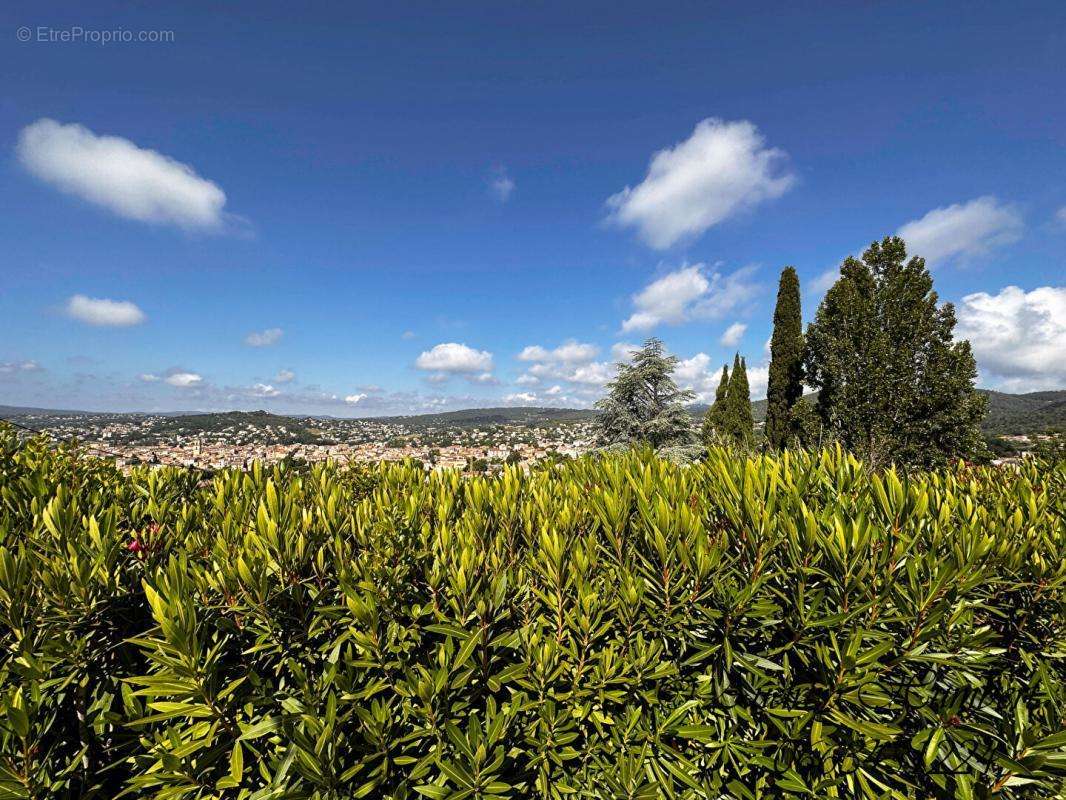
point(299, 427)
point(506, 415)
point(1024, 413)
point(1034, 412)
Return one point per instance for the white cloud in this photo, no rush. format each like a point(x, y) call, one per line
point(285, 376)
point(695, 374)
point(13, 367)
point(264, 390)
point(962, 230)
point(452, 358)
point(596, 373)
point(698, 374)
point(687, 294)
point(407, 335)
point(569, 352)
point(667, 299)
point(353, 399)
point(520, 397)
point(758, 378)
point(720, 170)
point(534, 352)
point(1060, 215)
point(623, 351)
point(185, 380)
point(264, 338)
point(572, 362)
point(502, 185)
point(1018, 337)
point(733, 334)
point(113, 172)
point(104, 313)
point(148, 377)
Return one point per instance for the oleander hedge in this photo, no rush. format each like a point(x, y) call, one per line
point(618, 627)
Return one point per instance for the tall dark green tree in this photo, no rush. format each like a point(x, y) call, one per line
point(714, 418)
point(643, 404)
point(740, 424)
point(785, 385)
point(893, 384)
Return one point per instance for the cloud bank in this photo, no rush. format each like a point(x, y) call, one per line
point(1018, 337)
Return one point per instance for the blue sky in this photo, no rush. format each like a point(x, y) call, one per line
point(357, 210)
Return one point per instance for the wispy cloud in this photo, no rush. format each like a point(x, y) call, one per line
point(733, 334)
point(19, 367)
point(962, 231)
point(264, 338)
point(690, 293)
point(501, 184)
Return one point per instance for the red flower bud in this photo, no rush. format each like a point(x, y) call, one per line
point(135, 546)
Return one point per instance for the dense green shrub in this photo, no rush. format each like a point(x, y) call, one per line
point(609, 627)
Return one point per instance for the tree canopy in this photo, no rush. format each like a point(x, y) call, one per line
point(785, 386)
point(893, 384)
point(643, 403)
point(715, 416)
point(730, 417)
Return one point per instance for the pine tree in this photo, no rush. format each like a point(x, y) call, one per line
point(741, 421)
point(893, 384)
point(785, 385)
point(643, 404)
point(714, 418)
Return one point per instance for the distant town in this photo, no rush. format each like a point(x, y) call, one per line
point(236, 439)
point(480, 440)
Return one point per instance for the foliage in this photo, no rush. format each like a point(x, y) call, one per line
point(785, 386)
point(730, 420)
point(893, 384)
point(740, 424)
point(770, 627)
point(715, 416)
point(805, 428)
point(1051, 446)
point(643, 404)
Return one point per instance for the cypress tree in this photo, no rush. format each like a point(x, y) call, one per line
point(894, 385)
point(785, 385)
point(741, 422)
point(716, 414)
